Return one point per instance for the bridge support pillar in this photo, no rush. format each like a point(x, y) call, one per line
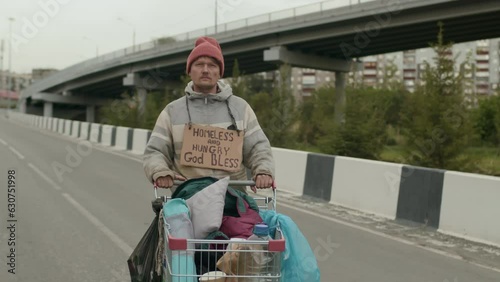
point(339, 96)
point(281, 54)
point(48, 109)
point(90, 116)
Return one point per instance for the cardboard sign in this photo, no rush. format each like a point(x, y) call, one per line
point(212, 147)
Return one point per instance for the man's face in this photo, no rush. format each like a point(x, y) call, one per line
point(205, 73)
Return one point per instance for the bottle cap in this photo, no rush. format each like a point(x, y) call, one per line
point(261, 229)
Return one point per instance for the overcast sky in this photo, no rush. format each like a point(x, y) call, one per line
point(59, 33)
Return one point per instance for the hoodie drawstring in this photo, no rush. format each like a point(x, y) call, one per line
point(233, 120)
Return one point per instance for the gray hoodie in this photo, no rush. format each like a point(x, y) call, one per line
point(162, 153)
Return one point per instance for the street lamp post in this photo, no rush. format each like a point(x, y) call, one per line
point(96, 46)
point(216, 16)
point(9, 77)
point(1, 64)
point(133, 32)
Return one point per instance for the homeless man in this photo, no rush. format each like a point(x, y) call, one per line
point(209, 131)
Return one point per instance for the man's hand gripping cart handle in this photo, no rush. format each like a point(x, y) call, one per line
point(238, 183)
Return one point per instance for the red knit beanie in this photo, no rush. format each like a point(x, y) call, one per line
point(206, 46)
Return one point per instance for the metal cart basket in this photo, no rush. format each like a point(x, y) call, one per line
point(235, 260)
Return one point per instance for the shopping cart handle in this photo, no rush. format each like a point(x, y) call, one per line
point(231, 182)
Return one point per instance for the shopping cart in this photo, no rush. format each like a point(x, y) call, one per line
point(231, 260)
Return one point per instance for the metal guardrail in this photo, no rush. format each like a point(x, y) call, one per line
point(185, 38)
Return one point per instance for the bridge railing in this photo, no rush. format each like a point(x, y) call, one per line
point(182, 39)
point(256, 20)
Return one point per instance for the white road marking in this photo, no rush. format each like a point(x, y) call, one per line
point(439, 252)
point(117, 240)
point(19, 155)
point(3, 142)
point(50, 181)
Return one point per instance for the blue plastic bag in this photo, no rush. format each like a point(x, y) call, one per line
point(298, 262)
point(177, 216)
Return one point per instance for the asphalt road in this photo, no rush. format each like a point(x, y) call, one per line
point(79, 212)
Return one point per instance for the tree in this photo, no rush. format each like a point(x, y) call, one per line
point(261, 104)
point(435, 117)
point(121, 112)
point(157, 100)
point(390, 79)
point(363, 132)
point(497, 121)
point(276, 112)
point(256, 83)
point(238, 82)
point(467, 67)
point(316, 115)
point(164, 40)
point(155, 103)
point(124, 111)
point(246, 86)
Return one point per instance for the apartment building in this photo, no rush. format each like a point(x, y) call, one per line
point(480, 61)
point(304, 81)
point(18, 81)
point(482, 65)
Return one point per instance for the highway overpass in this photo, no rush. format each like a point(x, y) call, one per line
point(326, 38)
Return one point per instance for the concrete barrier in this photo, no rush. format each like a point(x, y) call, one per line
point(123, 138)
point(67, 127)
point(95, 132)
point(140, 140)
point(84, 130)
point(290, 170)
point(75, 129)
point(60, 126)
point(420, 194)
point(319, 176)
point(55, 124)
point(108, 136)
point(470, 207)
point(366, 185)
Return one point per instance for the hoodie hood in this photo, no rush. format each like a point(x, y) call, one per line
point(224, 93)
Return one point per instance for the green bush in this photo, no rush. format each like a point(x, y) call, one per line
point(363, 132)
point(486, 119)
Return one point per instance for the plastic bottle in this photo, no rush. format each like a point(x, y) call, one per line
point(260, 262)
